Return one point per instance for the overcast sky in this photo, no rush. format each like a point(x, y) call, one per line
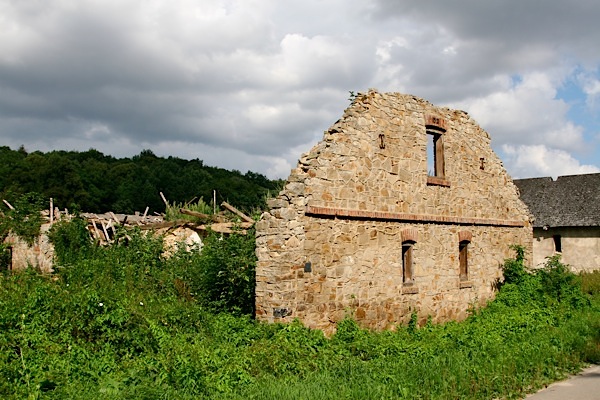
point(252, 84)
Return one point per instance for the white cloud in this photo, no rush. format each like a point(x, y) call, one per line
point(527, 112)
point(251, 84)
point(525, 161)
point(592, 87)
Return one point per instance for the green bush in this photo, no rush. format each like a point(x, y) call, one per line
point(514, 269)
point(123, 321)
point(71, 240)
point(24, 219)
point(590, 282)
point(560, 284)
point(552, 284)
point(222, 275)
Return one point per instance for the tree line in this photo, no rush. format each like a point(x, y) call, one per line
point(94, 182)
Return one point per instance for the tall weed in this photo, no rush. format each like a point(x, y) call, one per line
point(173, 213)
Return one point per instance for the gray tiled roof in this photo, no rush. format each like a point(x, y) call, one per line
point(572, 200)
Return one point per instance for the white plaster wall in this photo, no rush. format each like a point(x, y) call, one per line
point(580, 247)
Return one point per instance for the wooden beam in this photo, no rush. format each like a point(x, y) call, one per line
point(196, 214)
point(165, 224)
point(114, 217)
point(237, 212)
point(226, 227)
point(105, 232)
point(162, 196)
point(96, 232)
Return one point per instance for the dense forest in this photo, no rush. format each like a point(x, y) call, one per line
point(94, 182)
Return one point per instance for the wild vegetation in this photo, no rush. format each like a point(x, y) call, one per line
point(23, 220)
point(94, 182)
point(123, 321)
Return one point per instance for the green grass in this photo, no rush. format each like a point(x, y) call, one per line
point(124, 322)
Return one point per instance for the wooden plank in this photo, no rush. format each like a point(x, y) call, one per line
point(105, 232)
point(226, 227)
point(96, 232)
point(160, 225)
point(114, 217)
point(162, 196)
point(237, 212)
point(197, 214)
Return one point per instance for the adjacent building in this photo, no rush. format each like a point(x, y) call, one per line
point(567, 219)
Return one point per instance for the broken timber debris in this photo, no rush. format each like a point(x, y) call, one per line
point(237, 212)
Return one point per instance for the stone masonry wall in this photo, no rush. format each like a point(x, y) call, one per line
point(331, 244)
point(38, 255)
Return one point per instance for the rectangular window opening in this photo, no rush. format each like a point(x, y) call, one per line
point(407, 263)
point(430, 155)
point(463, 257)
point(436, 174)
point(557, 243)
point(435, 154)
point(6, 258)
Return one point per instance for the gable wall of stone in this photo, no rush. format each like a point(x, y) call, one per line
point(345, 206)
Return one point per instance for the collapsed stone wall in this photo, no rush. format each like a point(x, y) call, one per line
point(38, 254)
point(332, 243)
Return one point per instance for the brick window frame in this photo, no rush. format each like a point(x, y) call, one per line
point(464, 241)
point(409, 239)
point(463, 256)
point(407, 263)
point(435, 128)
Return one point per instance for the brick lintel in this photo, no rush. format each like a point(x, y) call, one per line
point(406, 217)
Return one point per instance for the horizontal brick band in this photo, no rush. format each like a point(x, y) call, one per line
point(406, 217)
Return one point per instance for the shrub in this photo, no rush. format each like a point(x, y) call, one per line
point(553, 284)
point(590, 282)
point(115, 324)
point(71, 240)
point(222, 276)
point(514, 269)
point(560, 284)
point(25, 219)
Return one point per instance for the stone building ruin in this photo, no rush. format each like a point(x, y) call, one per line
point(402, 208)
